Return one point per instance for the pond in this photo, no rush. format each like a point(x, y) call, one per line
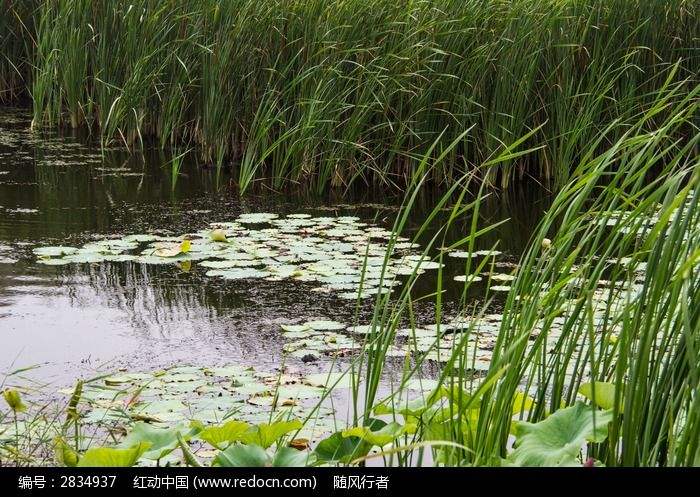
point(78, 319)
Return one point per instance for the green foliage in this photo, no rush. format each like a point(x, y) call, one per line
point(160, 441)
point(348, 445)
point(238, 455)
point(14, 400)
point(266, 434)
point(381, 437)
point(601, 393)
point(223, 435)
point(112, 457)
point(558, 439)
point(323, 103)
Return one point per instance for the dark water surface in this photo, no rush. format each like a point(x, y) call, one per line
point(77, 320)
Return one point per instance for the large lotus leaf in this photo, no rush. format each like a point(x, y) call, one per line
point(558, 439)
point(113, 457)
point(381, 437)
point(246, 456)
point(287, 457)
point(338, 448)
point(267, 434)
point(162, 440)
point(223, 435)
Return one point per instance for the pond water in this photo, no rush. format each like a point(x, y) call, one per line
point(77, 320)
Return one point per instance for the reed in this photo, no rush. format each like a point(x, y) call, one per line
point(331, 94)
point(627, 221)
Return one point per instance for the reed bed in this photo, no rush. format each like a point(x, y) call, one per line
point(16, 45)
point(629, 220)
point(601, 317)
point(334, 93)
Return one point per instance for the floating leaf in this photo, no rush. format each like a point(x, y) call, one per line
point(54, 251)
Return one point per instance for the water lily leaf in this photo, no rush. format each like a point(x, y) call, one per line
point(267, 434)
point(328, 380)
point(488, 253)
point(321, 325)
point(112, 457)
point(173, 250)
point(558, 439)
point(256, 218)
point(238, 274)
point(140, 238)
point(604, 394)
point(54, 251)
point(472, 278)
point(54, 262)
point(223, 435)
point(460, 254)
point(293, 328)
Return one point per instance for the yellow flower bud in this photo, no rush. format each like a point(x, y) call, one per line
point(14, 400)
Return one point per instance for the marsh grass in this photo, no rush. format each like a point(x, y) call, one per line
point(337, 93)
point(636, 202)
point(641, 337)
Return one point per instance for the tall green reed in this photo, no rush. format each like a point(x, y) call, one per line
point(340, 93)
point(605, 293)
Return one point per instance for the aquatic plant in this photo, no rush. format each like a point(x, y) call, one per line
point(330, 94)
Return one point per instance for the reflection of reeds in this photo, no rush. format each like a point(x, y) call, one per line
point(330, 93)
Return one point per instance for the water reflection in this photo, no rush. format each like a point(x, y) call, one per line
point(83, 318)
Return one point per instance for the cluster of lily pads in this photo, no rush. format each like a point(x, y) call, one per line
point(340, 255)
point(474, 336)
point(23, 142)
point(184, 396)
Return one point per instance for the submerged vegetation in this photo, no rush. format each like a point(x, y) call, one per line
point(335, 93)
point(592, 355)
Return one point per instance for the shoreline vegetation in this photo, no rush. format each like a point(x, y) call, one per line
point(594, 358)
point(330, 94)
